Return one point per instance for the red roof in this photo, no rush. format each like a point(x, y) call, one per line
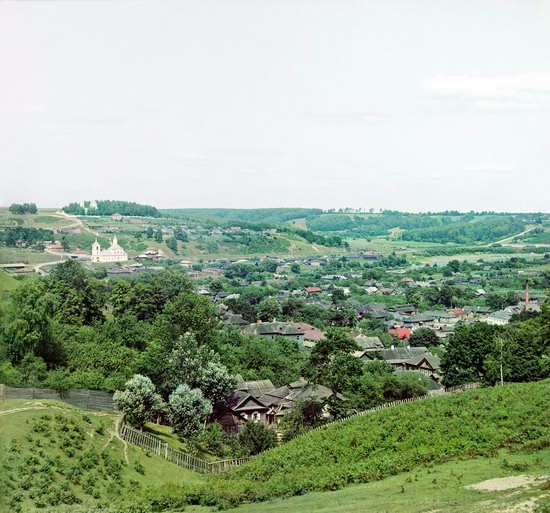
point(310, 290)
point(310, 332)
point(457, 312)
point(402, 333)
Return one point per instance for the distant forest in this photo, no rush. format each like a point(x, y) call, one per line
point(271, 216)
point(110, 207)
point(457, 228)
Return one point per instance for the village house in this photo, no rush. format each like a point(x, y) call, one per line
point(311, 333)
point(274, 329)
point(313, 290)
point(499, 318)
point(404, 359)
point(260, 401)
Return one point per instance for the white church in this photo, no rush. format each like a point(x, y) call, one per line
point(112, 254)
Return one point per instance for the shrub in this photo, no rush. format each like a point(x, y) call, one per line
point(256, 437)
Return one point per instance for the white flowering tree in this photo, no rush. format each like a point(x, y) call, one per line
point(188, 409)
point(139, 401)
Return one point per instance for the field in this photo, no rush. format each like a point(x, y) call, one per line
point(441, 488)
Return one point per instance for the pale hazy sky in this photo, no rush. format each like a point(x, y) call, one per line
point(410, 104)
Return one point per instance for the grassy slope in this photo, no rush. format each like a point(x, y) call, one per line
point(373, 447)
point(439, 488)
point(41, 433)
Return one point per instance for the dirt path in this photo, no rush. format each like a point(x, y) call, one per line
point(17, 410)
point(507, 239)
point(76, 222)
point(115, 433)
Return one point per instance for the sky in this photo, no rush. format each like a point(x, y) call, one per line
point(396, 104)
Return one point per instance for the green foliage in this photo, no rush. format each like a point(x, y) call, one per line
point(27, 323)
point(139, 401)
point(304, 416)
point(25, 208)
point(268, 309)
point(256, 438)
point(279, 360)
point(172, 244)
point(467, 349)
point(331, 362)
point(28, 235)
point(109, 207)
point(196, 366)
point(188, 410)
point(423, 337)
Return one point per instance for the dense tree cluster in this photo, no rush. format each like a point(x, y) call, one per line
point(110, 207)
point(514, 353)
point(30, 236)
point(441, 227)
point(24, 208)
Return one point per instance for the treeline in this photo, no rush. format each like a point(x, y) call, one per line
point(484, 230)
point(461, 228)
point(25, 208)
point(110, 207)
point(248, 215)
point(334, 241)
point(28, 235)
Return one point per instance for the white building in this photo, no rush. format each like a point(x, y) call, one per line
point(112, 254)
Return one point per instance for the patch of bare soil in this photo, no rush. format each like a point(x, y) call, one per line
point(500, 484)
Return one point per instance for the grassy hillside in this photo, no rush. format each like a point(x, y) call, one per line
point(453, 487)
point(373, 447)
point(55, 455)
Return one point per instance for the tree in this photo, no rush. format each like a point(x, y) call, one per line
point(464, 360)
point(196, 366)
point(79, 297)
point(65, 244)
point(28, 323)
point(149, 232)
point(454, 266)
point(139, 401)
point(331, 362)
point(268, 309)
point(343, 316)
point(188, 313)
point(188, 409)
point(16, 208)
point(423, 337)
point(337, 295)
point(25, 208)
point(295, 268)
point(172, 245)
point(256, 437)
point(305, 415)
point(158, 236)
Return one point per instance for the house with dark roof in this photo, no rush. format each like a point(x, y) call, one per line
point(260, 401)
point(274, 329)
point(233, 319)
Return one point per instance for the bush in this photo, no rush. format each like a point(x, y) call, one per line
point(256, 438)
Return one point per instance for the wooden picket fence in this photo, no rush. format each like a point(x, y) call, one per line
point(446, 391)
point(181, 459)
